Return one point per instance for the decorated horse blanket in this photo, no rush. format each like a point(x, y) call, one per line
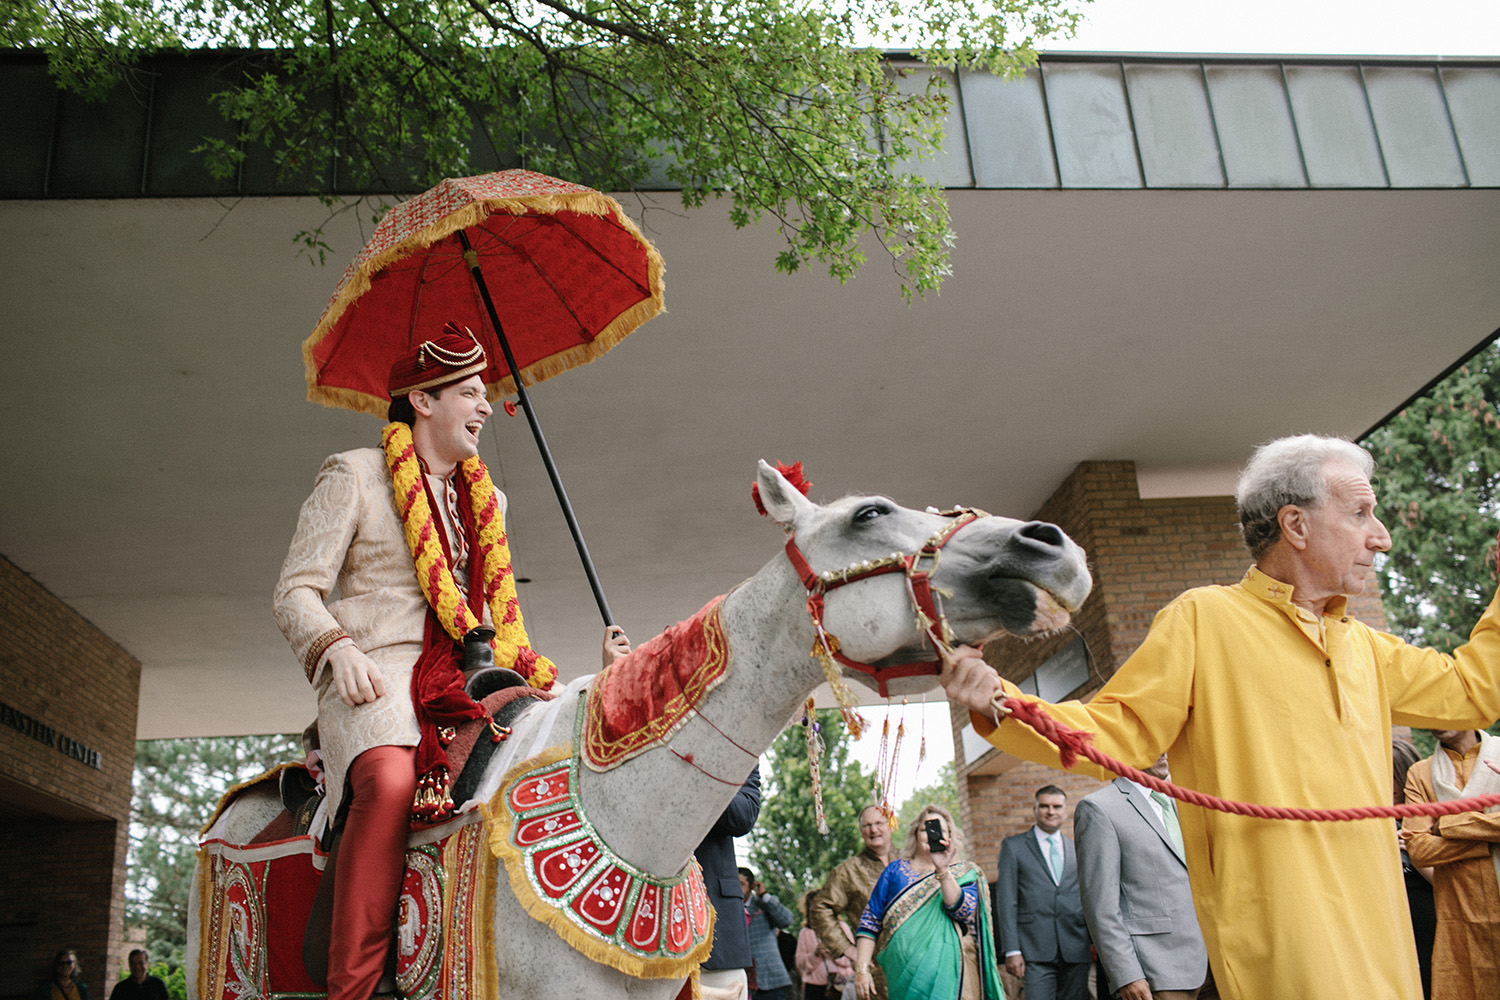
point(255, 897)
point(254, 901)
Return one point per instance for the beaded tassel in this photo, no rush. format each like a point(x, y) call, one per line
point(922, 743)
point(824, 646)
point(812, 733)
point(886, 761)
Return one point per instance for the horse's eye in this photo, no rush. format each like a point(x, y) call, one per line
point(868, 512)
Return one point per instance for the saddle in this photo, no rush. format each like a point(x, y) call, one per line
point(503, 694)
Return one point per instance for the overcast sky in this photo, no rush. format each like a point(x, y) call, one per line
point(1303, 27)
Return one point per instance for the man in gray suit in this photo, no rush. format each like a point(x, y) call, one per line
point(1134, 881)
point(1038, 914)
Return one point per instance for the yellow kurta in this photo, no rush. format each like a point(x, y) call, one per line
point(1466, 953)
point(1255, 700)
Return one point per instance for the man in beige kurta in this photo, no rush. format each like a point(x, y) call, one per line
point(1268, 691)
point(1460, 851)
point(841, 901)
point(359, 649)
point(352, 609)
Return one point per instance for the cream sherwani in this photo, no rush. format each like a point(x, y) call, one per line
point(349, 541)
point(1255, 699)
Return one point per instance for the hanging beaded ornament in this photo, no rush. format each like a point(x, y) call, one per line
point(812, 732)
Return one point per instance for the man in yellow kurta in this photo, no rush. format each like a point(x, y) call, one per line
point(1461, 851)
point(1268, 692)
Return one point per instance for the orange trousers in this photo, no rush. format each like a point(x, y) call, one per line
point(371, 862)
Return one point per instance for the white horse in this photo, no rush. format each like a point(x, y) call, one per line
point(995, 575)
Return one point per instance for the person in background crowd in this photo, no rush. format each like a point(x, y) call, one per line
point(726, 966)
point(1270, 691)
point(1463, 852)
point(1043, 937)
point(840, 904)
point(764, 913)
point(1418, 880)
point(1132, 876)
point(67, 979)
point(140, 984)
point(823, 975)
point(928, 922)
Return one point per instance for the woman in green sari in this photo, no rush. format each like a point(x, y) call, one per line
point(929, 920)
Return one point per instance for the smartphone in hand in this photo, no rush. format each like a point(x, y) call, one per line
point(934, 828)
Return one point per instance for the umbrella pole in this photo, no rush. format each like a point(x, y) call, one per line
point(472, 259)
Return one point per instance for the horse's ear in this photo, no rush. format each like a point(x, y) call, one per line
point(782, 501)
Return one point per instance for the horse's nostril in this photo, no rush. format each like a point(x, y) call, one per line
point(1042, 533)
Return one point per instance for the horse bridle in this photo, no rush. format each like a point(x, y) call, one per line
point(919, 567)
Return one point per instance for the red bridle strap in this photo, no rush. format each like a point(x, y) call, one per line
point(930, 618)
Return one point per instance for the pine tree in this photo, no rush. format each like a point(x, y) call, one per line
point(1438, 480)
point(177, 786)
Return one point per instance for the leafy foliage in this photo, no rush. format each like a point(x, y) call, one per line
point(784, 110)
point(178, 784)
point(787, 852)
point(1438, 477)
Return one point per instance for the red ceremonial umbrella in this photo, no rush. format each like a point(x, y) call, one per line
point(571, 276)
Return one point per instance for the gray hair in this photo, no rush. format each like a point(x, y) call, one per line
point(1288, 470)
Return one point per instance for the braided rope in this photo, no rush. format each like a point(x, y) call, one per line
point(1074, 743)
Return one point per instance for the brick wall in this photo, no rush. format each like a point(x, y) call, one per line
point(1142, 553)
point(63, 823)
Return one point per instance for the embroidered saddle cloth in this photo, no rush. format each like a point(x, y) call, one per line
point(254, 900)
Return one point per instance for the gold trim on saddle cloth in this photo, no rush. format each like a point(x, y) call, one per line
point(446, 943)
point(567, 877)
point(617, 691)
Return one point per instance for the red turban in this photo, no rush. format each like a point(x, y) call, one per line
point(451, 356)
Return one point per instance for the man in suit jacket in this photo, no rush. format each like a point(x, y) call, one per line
point(1133, 878)
point(726, 964)
point(1038, 915)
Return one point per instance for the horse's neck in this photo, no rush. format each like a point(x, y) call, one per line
point(656, 808)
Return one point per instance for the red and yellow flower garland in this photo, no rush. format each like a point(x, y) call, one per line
point(435, 576)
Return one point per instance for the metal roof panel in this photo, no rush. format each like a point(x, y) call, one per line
point(1254, 123)
point(1416, 135)
point(1174, 126)
point(1091, 125)
point(1334, 127)
point(1010, 139)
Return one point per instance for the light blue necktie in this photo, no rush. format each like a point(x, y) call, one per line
point(1054, 851)
point(1169, 819)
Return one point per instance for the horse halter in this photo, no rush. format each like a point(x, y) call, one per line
point(919, 567)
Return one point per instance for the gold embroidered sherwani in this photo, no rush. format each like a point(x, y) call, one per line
point(1466, 953)
point(349, 540)
point(843, 897)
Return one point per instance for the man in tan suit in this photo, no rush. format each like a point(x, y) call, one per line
point(360, 651)
point(836, 909)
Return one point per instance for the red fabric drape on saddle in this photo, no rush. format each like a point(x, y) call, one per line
point(642, 698)
point(437, 679)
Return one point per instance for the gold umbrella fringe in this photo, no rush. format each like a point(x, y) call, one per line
point(357, 281)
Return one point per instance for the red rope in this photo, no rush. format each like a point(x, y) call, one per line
point(1074, 743)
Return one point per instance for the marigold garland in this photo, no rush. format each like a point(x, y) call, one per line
point(435, 576)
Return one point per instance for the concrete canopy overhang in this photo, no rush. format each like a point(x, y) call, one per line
point(159, 444)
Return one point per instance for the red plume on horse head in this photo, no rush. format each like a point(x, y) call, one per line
point(792, 474)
